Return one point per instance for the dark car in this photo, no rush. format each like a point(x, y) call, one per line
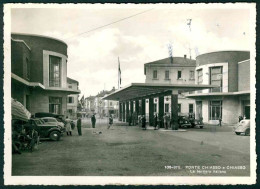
point(198, 123)
point(45, 130)
point(183, 121)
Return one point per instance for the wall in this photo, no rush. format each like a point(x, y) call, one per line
point(173, 71)
point(37, 45)
point(19, 53)
point(244, 75)
point(232, 57)
point(40, 100)
point(230, 109)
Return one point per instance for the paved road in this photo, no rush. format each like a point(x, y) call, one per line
point(126, 151)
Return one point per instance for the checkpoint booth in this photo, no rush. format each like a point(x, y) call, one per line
point(139, 99)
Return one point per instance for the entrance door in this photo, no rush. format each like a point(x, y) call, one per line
point(198, 109)
point(247, 112)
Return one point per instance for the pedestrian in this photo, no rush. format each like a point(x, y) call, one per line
point(240, 118)
point(144, 122)
point(93, 120)
point(155, 121)
point(68, 126)
point(130, 119)
point(79, 126)
point(168, 119)
point(165, 121)
point(220, 120)
point(110, 121)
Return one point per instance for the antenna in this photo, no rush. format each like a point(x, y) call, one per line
point(170, 52)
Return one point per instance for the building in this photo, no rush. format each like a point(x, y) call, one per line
point(39, 73)
point(175, 70)
point(105, 107)
point(230, 70)
point(89, 104)
point(72, 100)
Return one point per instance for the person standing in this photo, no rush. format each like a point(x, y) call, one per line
point(110, 122)
point(93, 120)
point(240, 118)
point(155, 121)
point(220, 120)
point(165, 121)
point(68, 126)
point(79, 126)
point(144, 122)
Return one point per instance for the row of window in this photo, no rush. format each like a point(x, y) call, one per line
point(167, 75)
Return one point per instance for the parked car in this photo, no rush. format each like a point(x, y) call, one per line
point(197, 123)
point(51, 120)
point(243, 127)
point(45, 130)
point(183, 121)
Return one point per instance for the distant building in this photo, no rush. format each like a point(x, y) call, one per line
point(164, 71)
point(105, 107)
point(230, 70)
point(39, 73)
point(72, 100)
point(90, 104)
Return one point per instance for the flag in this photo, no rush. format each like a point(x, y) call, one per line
point(119, 74)
point(189, 23)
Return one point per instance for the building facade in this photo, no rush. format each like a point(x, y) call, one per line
point(179, 71)
point(89, 104)
point(230, 71)
point(72, 100)
point(39, 73)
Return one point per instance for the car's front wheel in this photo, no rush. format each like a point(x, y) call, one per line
point(247, 132)
point(55, 135)
point(237, 133)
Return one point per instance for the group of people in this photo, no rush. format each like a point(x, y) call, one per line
point(93, 121)
point(69, 126)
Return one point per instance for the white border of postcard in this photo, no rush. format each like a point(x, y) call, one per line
point(123, 180)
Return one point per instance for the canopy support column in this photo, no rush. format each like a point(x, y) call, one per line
point(120, 111)
point(174, 110)
point(161, 108)
point(143, 106)
point(127, 111)
point(151, 111)
point(123, 107)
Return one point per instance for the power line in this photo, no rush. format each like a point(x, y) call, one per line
point(109, 24)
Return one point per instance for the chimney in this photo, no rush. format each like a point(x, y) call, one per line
point(185, 56)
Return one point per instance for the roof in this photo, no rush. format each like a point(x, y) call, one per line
point(217, 94)
point(177, 62)
point(104, 92)
point(90, 97)
point(141, 90)
point(36, 35)
point(69, 80)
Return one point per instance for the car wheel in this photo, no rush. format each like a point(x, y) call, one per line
point(247, 132)
point(237, 133)
point(201, 127)
point(55, 135)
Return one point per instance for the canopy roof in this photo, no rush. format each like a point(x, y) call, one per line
point(139, 90)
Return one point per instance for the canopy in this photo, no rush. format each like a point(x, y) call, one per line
point(139, 90)
point(19, 111)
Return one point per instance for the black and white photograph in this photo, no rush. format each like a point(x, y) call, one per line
point(142, 94)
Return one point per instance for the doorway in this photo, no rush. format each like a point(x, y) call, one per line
point(198, 109)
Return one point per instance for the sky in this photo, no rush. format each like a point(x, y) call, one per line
point(143, 38)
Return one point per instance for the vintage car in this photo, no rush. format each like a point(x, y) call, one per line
point(54, 121)
point(183, 121)
point(243, 127)
point(198, 123)
point(45, 130)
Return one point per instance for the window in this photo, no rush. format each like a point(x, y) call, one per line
point(70, 111)
point(27, 68)
point(55, 105)
point(216, 78)
point(179, 108)
point(215, 110)
point(154, 107)
point(110, 103)
point(54, 72)
point(200, 78)
point(191, 75)
point(70, 99)
point(179, 75)
point(70, 86)
point(155, 74)
point(167, 74)
point(166, 108)
point(190, 108)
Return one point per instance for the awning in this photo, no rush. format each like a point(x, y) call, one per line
point(198, 95)
point(19, 111)
point(139, 90)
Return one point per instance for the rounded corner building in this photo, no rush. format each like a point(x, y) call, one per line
point(230, 72)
